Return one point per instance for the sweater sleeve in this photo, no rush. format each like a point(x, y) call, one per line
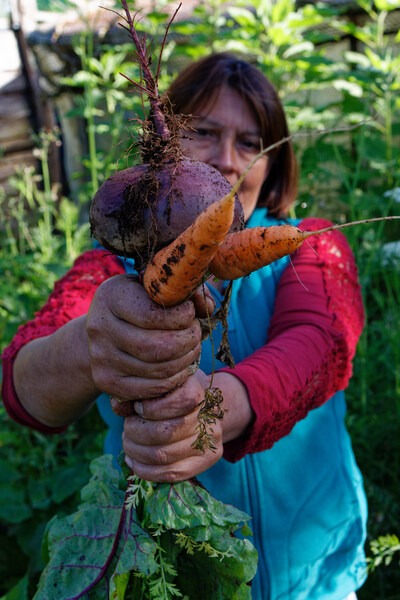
point(317, 321)
point(70, 298)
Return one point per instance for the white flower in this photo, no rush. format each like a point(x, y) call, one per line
point(393, 194)
point(390, 252)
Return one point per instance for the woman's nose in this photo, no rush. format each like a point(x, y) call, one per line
point(225, 159)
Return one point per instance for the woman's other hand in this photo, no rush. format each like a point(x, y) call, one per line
point(158, 440)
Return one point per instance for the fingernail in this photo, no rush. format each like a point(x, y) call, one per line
point(139, 408)
point(193, 368)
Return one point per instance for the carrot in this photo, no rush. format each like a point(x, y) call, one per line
point(253, 248)
point(245, 251)
point(177, 269)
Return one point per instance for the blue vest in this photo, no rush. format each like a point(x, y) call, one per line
point(305, 495)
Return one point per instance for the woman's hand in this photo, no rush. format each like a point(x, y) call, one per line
point(144, 356)
point(139, 349)
point(158, 442)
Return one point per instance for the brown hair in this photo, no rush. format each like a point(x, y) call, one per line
point(200, 81)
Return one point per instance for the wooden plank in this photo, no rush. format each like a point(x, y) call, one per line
point(8, 165)
point(17, 144)
point(13, 106)
point(11, 83)
point(11, 129)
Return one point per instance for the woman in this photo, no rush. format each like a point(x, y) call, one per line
point(282, 451)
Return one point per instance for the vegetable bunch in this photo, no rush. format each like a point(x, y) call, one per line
point(129, 538)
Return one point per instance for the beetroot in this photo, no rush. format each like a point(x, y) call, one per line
point(139, 210)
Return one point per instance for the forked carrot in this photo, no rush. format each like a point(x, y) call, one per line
point(177, 269)
point(253, 248)
point(245, 251)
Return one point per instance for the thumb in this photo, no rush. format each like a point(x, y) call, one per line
point(203, 302)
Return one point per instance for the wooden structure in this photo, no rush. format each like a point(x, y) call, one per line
point(36, 51)
point(17, 112)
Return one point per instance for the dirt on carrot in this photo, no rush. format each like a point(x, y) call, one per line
point(248, 250)
point(177, 270)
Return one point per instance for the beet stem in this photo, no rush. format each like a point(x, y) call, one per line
point(164, 42)
point(151, 83)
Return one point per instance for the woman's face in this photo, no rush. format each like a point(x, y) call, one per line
point(226, 136)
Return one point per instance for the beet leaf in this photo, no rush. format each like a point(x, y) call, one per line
point(92, 552)
point(133, 539)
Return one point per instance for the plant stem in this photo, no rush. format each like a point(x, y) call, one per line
point(87, 54)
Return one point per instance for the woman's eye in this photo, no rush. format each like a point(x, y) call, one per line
point(201, 132)
point(250, 145)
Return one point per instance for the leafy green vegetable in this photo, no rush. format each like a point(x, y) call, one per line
point(153, 541)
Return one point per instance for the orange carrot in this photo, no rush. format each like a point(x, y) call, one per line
point(245, 251)
point(250, 249)
point(177, 269)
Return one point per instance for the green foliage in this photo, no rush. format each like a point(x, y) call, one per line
point(137, 547)
point(32, 257)
point(383, 550)
point(40, 236)
point(104, 104)
point(344, 112)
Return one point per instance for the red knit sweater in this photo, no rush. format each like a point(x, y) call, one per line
point(308, 356)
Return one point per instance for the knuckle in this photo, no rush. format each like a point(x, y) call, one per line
point(178, 379)
point(167, 371)
point(157, 348)
point(92, 326)
point(162, 350)
point(175, 476)
point(160, 456)
point(145, 315)
point(186, 401)
point(184, 405)
point(170, 383)
point(163, 431)
point(102, 379)
point(196, 331)
point(158, 388)
point(174, 367)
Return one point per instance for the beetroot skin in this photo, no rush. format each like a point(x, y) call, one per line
point(139, 210)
